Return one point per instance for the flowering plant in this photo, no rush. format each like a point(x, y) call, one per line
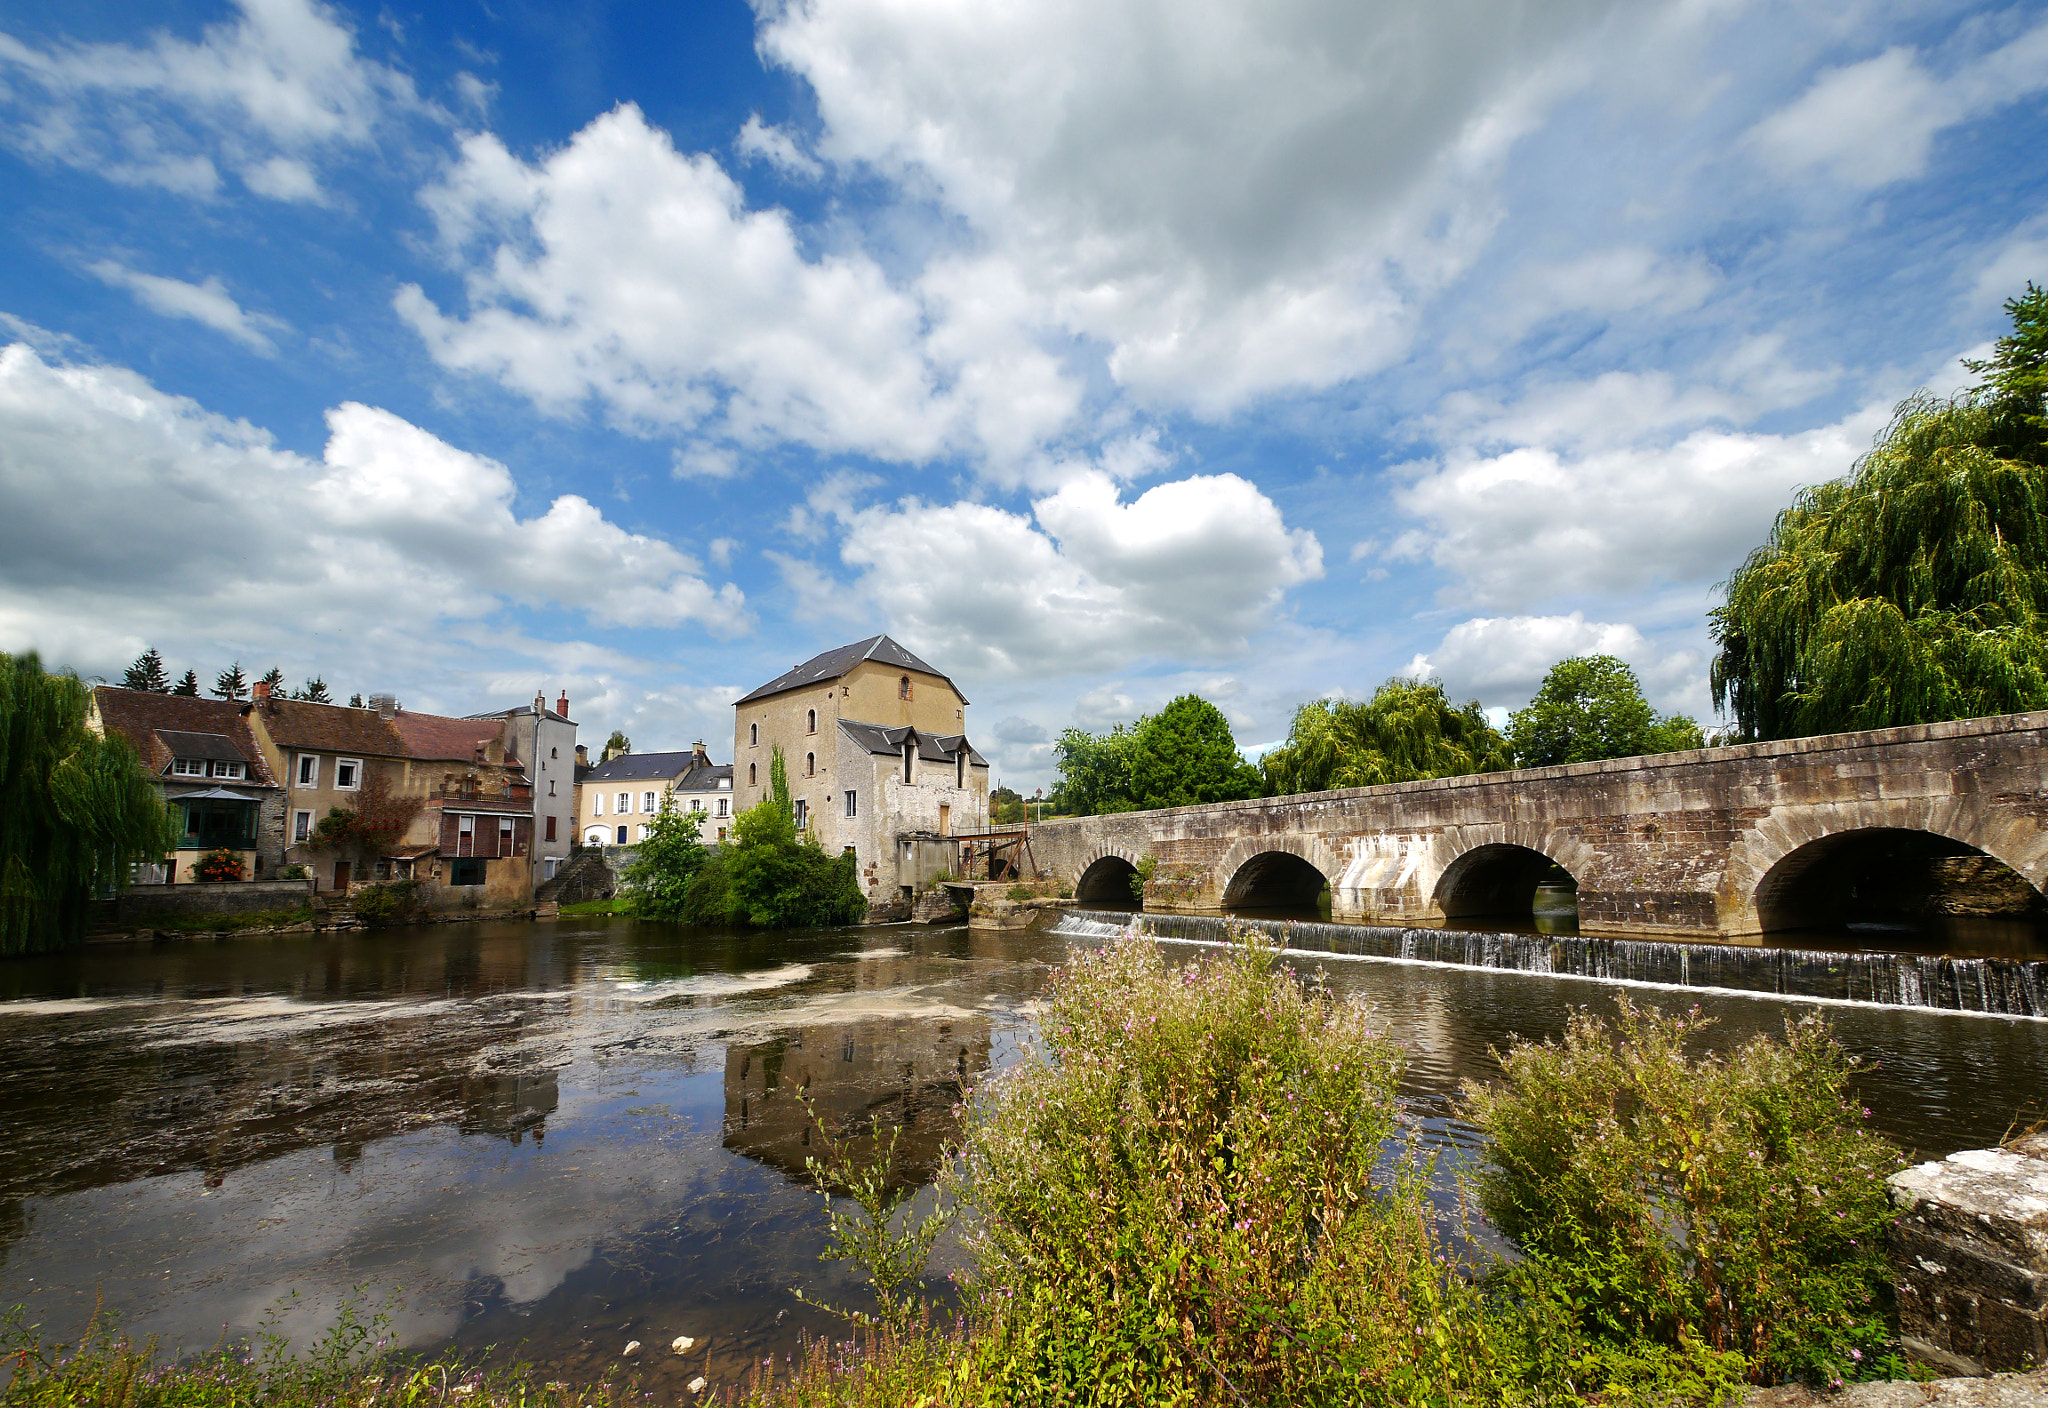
point(222, 864)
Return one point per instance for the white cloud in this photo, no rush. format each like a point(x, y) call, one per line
point(207, 302)
point(1189, 568)
point(1871, 123)
point(1502, 660)
point(261, 95)
point(204, 535)
point(761, 141)
point(1233, 198)
point(620, 270)
point(1606, 283)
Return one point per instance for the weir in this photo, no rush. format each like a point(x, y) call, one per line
point(2007, 987)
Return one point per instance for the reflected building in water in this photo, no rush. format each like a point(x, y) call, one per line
point(860, 1077)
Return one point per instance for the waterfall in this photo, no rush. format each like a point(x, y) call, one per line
point(2007, 986)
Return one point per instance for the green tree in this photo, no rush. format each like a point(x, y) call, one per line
point(665, 863)
point(274, 679)
point(1185, 755)
point(229, 683)
point(769, 876)
point(147, 674)
point(188, 685)
point(355, 701)
point(76, 809)
point(315, 692)
point(1591, 707)
point(1914, 589)
point(1409, 729)
point(618, 743)
point(1094, 770)
point(1005, 807)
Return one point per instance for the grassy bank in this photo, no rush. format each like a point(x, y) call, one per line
point(612, 906)
point(1198, 1188)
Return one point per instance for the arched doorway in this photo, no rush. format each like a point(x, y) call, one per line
point(1108, 882)
point(1276, 880)
point(1915, 885)
point(1502, 886)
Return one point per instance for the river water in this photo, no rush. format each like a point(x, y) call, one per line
point(558, 1137)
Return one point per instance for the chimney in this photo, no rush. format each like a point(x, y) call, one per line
point(703, 759)
point(261, 689)
point(582, 755)
point(540, 701)
point(385, 704)
point(562, 704)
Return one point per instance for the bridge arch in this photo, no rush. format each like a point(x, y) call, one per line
point(1778, 874)
point(1277, 872)
point(1889, 876)
point(1496, 878)
point(1106, 878)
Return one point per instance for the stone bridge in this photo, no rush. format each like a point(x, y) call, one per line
point(1713, 843)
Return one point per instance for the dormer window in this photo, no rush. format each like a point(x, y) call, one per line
point(188, 767)
point(228, 770)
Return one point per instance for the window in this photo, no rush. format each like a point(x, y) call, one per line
point(348, 774)
point(723, 803)
point(309, 769)
point(225, 769)
point(187, 767)
point(554, 752)
point(550, 865)
point(466, 826)
point(505, 836)
point(647, 802)
point(960, 765)
point(810, 765)
point(853, 804)
point(751, 782)
point(725, 784)
point(622, 835)
point(551, 836)
point(721, 834)
point(594, 837)
point(754, 734)
point(597, 804)
point(551, 787)
point(803, 813)
point(642, 833)
point(625, 803)
point(468, 870)
point(909, 752)
point(811, 721)
point(302, 828)
point(903, 688)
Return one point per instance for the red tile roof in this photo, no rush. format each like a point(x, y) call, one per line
point(137, 715)
point(447, 740)
point(329, 728)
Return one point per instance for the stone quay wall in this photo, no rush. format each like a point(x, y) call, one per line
point(1694, 844)
point(143, 905)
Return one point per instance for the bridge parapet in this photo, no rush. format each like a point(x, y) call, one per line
point(1697, 844)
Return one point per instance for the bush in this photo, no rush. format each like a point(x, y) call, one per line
point(666, 861)
point(291, 872)
point(1020, 893)
point(222, 864)
point(392, 902)
point(770, 877)
point(1731, 1204)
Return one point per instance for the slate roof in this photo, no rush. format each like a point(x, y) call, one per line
point(140, 717)
point(932, 747)
point(519, 710)
point(211, 746)
point(645, 767)
point(836, 662)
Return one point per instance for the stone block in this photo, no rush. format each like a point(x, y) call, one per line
point(1970, 1258)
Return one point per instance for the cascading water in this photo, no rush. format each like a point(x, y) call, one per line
point(2010, 987)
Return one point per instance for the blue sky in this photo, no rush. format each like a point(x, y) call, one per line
point(1099, 350)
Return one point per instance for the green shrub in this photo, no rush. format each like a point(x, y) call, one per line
point(771, 877)
point(666, 861)
point(1142, 876)
point(291, 872)
point(1732, 1204)
point(1020, 893)
point(391, 902)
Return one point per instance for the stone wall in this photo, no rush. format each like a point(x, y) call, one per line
point(583, 877)
point(144, 905)
point(1706, 843)
point(1970, 1259)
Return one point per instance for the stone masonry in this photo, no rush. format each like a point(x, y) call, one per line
point(1702, 844)
point(1970, 1259)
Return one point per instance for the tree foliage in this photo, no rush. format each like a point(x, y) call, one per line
point(230, 683)
point(1914, 589)
point(1591, 707)
point(76, 809)
point(314, 691)
point(187, 685)
point(665, 863)
point(615, 745)
point(1180, 756)
point(1409, 729)
point(147, 674)
point(771, 876)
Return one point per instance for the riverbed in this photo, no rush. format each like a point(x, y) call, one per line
point(559, 1137)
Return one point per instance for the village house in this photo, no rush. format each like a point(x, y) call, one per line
point(619, 798)
point(549, 737)
point(212, 772)
point(384, 794)
point(874, 741)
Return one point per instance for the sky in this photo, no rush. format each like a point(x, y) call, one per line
point(1097, 350)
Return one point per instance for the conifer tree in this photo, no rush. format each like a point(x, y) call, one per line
point(188, 685)
point(315, 692)
point(147, 674)
point(229, 683)
point(274, 679)
point(355, 701)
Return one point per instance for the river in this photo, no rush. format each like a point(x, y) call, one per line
point(558, 1137)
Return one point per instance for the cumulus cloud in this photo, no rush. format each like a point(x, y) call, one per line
point(761, 141)
point(262, 95)
point(204, 531)
point(207, 302)
point(621, 271)
point(1504, 659)
point(1871, 123)
point(1605, 283)
point(1233, 198)
point(1188, 568)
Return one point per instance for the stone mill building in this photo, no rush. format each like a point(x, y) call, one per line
point(875, 743)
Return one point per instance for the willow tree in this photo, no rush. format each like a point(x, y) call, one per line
point(1409, 729)
point(1914, 589)
point(76, 809)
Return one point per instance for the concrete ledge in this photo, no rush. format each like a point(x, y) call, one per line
point(2003, 1391)
point(1970, 1259)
